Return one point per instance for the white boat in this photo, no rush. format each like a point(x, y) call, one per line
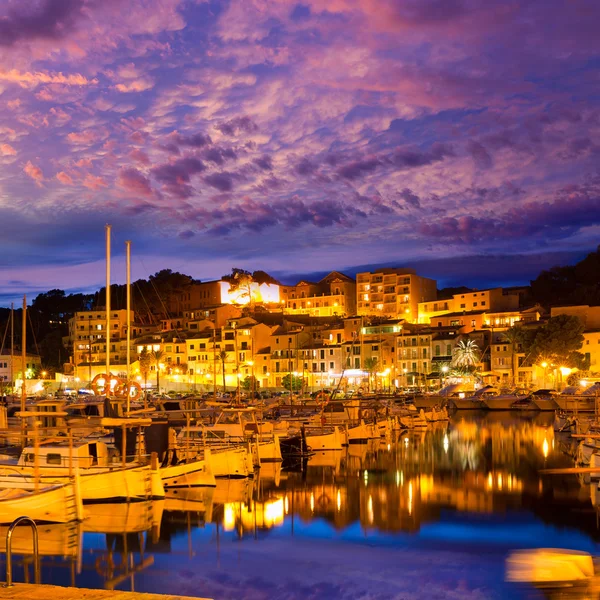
point(324, 438)
point(240, 425)
point(193, 473)
point(102, 479)
point(362, 433)
point(225, 458)
point(58, 503)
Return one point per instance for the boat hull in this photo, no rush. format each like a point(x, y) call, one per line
point(59, 503)
point(123, 484)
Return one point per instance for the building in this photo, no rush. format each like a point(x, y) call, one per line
point(214, 293)
point(11, 367)
point(393, 293)
point(87, 340)
point(589, 315)
point(334, 295)
point(495, 300)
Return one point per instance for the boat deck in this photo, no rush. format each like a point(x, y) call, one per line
point(29, 591)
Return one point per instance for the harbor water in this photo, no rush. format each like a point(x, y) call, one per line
point(426, 514)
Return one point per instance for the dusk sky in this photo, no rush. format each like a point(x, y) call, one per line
point(297, 138)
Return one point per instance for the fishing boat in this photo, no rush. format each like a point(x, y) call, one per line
point(226, 457)
point(103, 478)
point(59, 503)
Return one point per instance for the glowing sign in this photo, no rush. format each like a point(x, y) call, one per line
point(263, 292)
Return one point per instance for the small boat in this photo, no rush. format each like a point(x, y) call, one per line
point(324, 438)
point(102, 477)
point(58, 503)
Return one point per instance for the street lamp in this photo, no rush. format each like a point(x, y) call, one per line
point(544, 366)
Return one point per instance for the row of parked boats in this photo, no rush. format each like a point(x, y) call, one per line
point(491, 398)
point(94, 451)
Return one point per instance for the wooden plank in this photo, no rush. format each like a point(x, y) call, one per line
point(29, 591)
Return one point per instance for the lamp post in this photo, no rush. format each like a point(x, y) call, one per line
point(544, 366)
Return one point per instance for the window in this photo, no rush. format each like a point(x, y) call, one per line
point(483, 303)
point(53, 459)
point(463, 305)
point(331, 365)
point(473, 323)
point(375, 348)
point(474, 304)
point(437, 349)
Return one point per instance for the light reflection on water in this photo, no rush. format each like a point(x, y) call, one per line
point(431, 514)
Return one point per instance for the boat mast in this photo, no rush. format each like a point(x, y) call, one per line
point(23, 365)
point(107, 384)
point(128, 288)
point(12, 346)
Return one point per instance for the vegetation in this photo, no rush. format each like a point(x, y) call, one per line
point(466, 356)
point(576, 284)
point(157, 356)
point(223, 356)
point(371, 366)
point(558, 342)
point(293, 383)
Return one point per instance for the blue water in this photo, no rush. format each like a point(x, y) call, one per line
point(432, 517)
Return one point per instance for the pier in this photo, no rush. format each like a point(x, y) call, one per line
point(31, 591)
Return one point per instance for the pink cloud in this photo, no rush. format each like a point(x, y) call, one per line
point(133, 181)
point(13, 104)
point(34, 172)
point(94, 183)
point(7, 150)
point(82, 137)
point(64, 178)
point(139, 156)
point(27, 79)
point(138, 85)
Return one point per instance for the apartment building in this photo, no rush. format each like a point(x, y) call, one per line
point(87, 341)
point(589, 315)
point(393, 293)
point(11, 367)
point(495, 300)
point(334, 295)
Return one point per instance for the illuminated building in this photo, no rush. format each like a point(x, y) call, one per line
point(333, 295)
point(394, 293)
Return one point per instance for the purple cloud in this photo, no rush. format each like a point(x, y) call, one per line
point(53, 19)
point(221, 181)
point(239, 124)
point(176, 176)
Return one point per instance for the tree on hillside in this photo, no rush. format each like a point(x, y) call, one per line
point(575, 284)
point(144, 360)
point(558, 342)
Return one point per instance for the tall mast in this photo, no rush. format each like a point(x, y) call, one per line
point(128, 257)
point(12, 346)
point(107, 385)
point(23, 366)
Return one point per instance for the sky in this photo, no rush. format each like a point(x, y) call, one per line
point(457, 137)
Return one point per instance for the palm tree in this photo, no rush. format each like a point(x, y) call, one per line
point(466, 355)
point(223, 356)
point(144, 360)
point(371, 367)
point(157, 357)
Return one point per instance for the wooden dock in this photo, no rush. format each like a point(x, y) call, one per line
point(30, 591)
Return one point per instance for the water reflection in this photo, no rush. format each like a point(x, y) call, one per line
point(468, 486)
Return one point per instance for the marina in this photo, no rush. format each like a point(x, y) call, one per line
point(447, 504)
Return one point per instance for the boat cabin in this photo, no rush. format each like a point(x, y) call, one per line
point(85, 454)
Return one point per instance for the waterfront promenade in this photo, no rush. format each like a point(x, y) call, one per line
point(30, 591)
